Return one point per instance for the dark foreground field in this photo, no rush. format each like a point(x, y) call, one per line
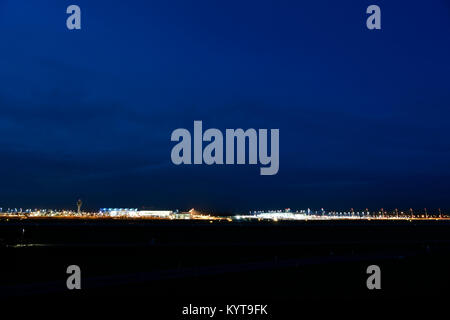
point(179, 263)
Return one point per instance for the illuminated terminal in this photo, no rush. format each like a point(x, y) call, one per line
point(133, 212)
point(115, 212)
point(290, 215)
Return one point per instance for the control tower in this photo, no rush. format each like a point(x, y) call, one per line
point(79, 203)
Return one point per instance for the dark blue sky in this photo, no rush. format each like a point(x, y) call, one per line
point(363, 115)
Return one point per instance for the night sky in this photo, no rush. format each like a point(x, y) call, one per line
point(363, 115)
